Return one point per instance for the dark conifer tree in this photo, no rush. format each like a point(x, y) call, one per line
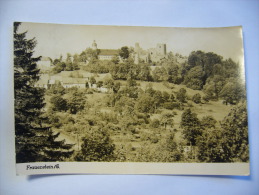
point(34, 141)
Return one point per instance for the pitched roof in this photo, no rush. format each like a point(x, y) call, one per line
point(103, 77)
point(69, 80)
point(87, 74)
point(108, 52)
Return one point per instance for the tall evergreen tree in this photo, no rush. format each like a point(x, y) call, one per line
point(34, 141)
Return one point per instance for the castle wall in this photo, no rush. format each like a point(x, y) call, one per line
point(154, 54)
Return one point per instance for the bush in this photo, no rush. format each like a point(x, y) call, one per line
point(189, 104)
point(154, 139)
point(195, 84)
point(172, 105)
point(196, 98)
point(155, 123)
point(176, 105)
point(56, 89)
point(89, 91)
point(206, 98)
point(58, 103)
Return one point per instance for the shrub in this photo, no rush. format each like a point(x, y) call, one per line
point(196, 98)
point(206, 98)
point(155, 123)
point(58, 103)
point(176, 105)
point(168, 105)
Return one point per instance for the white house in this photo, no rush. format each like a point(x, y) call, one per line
point(74, 82)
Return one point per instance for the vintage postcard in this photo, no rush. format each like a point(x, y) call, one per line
point(129, 100)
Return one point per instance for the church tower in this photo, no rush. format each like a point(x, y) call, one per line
point(94, 45)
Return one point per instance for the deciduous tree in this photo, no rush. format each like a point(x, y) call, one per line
point(124, 52)
point(97, 146)
point(235, 135)
point(76, 101)
point(191, 126)
point(181, 95)
point(145, 104)
point(167, 119)
point(58, 103)
point(196, 98)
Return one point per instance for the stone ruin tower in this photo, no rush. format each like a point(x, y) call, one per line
point(161, 49)
point(153, 54)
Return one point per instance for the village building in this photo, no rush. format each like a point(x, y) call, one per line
point(69, 79)
point(43, 81)
point(46, 81)
point(105, 54)
point(69, 82)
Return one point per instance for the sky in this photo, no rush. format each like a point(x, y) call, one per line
point(56, 39)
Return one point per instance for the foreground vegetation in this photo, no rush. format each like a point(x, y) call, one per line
point(143, 125)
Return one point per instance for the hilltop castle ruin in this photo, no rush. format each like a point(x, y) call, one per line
point(152, 54)
point(149, 55)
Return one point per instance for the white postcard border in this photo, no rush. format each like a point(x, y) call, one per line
point(133, 168)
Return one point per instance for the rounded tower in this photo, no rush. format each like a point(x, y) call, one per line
point(94, 45)
point(137, 48)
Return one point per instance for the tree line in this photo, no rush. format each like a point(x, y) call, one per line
point(206, 71)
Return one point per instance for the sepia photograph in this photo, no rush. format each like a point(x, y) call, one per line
point(125, 96)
